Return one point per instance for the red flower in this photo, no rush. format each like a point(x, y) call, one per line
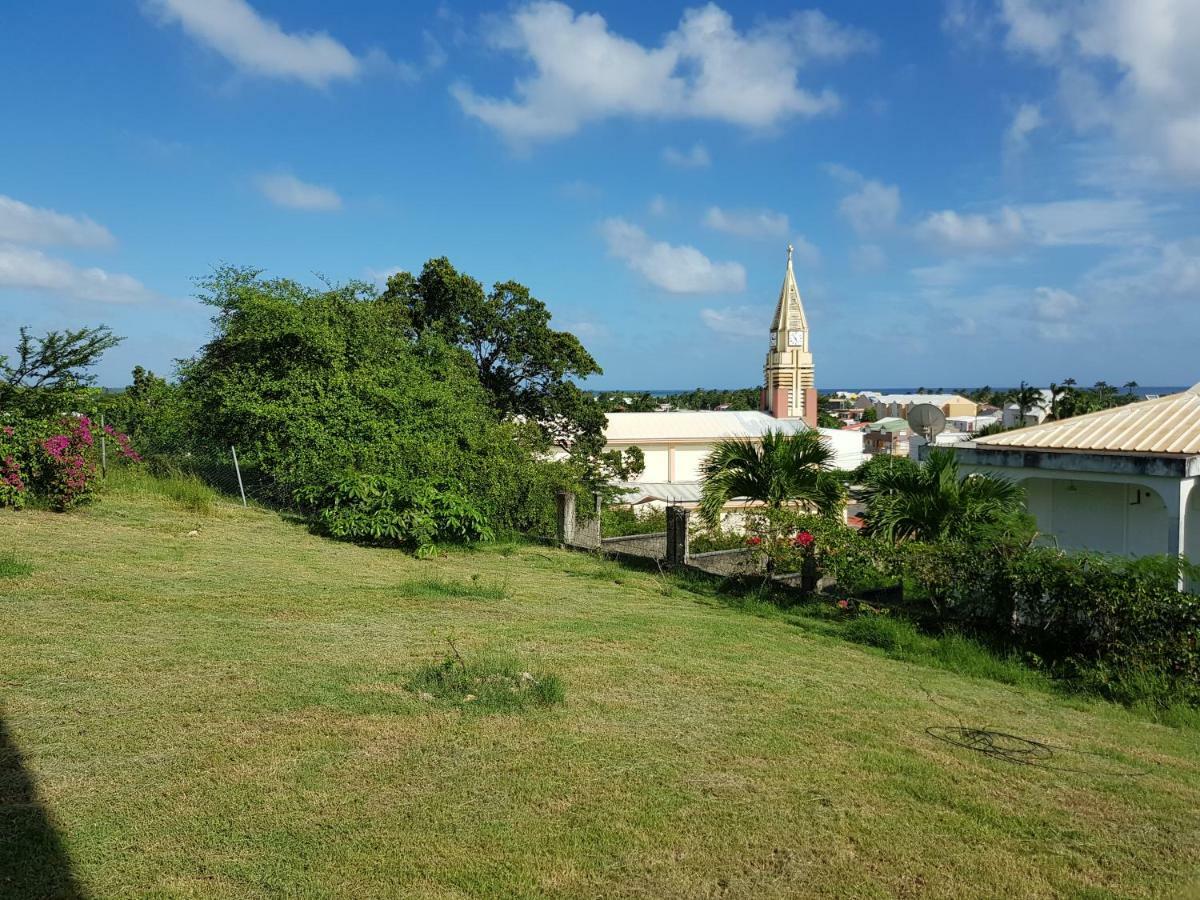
point(753, 541)
point(804, 539)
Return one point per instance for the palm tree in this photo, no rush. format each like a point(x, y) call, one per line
point(1026, 397)
point(782, 468)
point(931, 503)
point(1130, 386)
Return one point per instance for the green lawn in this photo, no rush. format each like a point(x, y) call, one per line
point(225, 714)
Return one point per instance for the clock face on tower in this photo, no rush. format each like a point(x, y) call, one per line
point(795, 338)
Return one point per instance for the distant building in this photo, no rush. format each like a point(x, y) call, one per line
point(1121, 481)
point(888, 436)
point(898, 405)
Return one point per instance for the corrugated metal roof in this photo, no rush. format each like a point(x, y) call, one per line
point(664, 491)
point(657, 427)
point(1169, 425)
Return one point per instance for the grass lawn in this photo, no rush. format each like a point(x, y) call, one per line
point(228, 713)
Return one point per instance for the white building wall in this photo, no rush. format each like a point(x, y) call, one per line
point(688, 461)
point(847, 447)
point(656, 462)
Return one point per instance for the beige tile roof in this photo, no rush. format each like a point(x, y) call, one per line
point(1167, 425)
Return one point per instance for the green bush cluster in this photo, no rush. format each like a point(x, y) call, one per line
point(1118, 626)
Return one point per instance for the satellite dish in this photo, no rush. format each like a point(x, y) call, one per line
point(926, 420)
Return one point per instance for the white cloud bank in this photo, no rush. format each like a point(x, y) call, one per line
point(704, 69)
point(260, 46)
point(750, 223)
point(677, 269)
point(24, 268)
point(25, 224)
point(1085, 222)
point(1129, 68)
point(290, 192)
point(872, 207)
point(695, 158)
point(741, 322)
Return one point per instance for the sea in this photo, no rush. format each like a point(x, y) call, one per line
point(1139, 391)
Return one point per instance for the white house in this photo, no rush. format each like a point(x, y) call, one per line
point(676, 444)
point(1118, 481)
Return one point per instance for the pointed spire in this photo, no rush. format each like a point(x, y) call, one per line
point(789, 312)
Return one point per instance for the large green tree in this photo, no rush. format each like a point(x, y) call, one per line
point(780, 469)
point(933, 502)
point(315, 386)
point(51, 374)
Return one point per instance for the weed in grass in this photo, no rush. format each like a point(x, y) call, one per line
point(189, 492)
point(443, 588)
point(12, 566)
point(488, 684)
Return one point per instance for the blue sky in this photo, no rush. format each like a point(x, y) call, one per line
point(979, 192)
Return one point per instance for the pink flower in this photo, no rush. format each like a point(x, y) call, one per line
point(843, 604)
point(9, 431)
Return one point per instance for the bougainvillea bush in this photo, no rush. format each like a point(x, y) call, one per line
point(54, 462)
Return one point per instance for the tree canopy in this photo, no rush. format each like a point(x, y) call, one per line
point(780, 469)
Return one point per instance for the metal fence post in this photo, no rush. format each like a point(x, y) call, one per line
point(238, 469)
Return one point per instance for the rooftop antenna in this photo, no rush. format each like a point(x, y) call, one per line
point(926, 420)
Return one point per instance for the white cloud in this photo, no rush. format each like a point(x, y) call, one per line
point(658, 206)
point(23, 268)
point(579, 189)
point(735, 321)
point(1086, 222)
point(1125, 67)
point(677, 269)
point(234, 29)
point(695, 158)
point(868, 258)
point(972, 232)
point(25, 224)
point(750, 223)
point(290, 192)
point(1027, 119)
point(1056, 314)
point(806, 251)
point(704, 69)
point(872, 207)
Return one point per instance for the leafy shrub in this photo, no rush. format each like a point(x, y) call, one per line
point(619, 521)
point(492, 683)
point(1127, 615)
point(384, 435)
point(387, 510)
point(707, 540)
point(794, 540)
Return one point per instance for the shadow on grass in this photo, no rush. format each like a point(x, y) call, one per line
point(33, 861)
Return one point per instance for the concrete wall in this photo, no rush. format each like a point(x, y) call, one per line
point(1126, 519)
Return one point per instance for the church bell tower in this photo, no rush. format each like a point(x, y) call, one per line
point(789, 390)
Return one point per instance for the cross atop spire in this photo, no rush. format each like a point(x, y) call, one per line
point(789, 254)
